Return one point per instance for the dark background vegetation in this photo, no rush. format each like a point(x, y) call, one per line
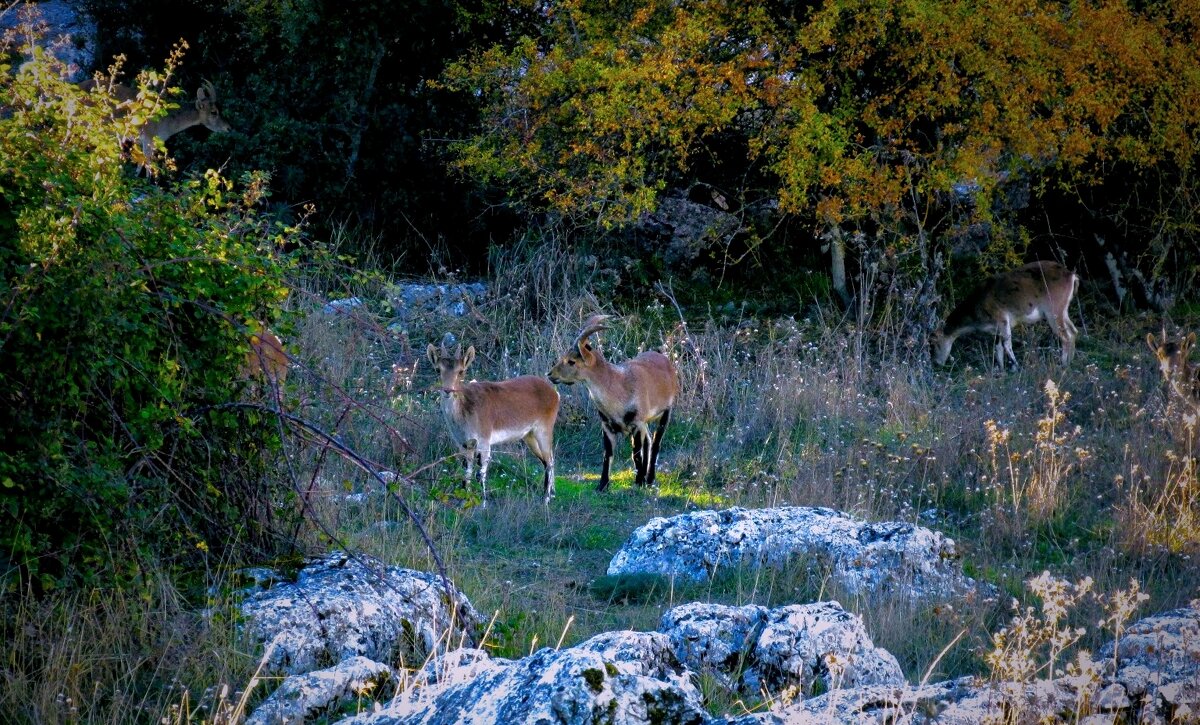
point(347, 105)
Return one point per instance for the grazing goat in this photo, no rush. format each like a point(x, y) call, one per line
point(203, 113)
point(1180, 375)
point(1036, 291)
point(629, 397)
point(483, 414)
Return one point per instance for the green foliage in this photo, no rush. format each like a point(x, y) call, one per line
point(123, 307)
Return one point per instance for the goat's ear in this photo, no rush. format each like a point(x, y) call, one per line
point(1150, 342)
point(432, 353)
point(469, 356)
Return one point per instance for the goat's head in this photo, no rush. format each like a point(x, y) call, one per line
point(206, 106)
point(1172, 356)
point(451, 366)
point(266, 360)
point(582, 357)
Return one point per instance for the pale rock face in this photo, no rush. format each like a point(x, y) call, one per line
point(70, 33)
point(635, 678)
point(716, 638)
point(304, 698)
point(618, 677)
point(753, 649)
point(451, 300)
point(1157, 662)
point(1155, 679)
point(894, 558)
point(341, 607)
point(806, 643)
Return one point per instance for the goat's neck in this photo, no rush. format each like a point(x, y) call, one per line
point(166, 127)
point(608, 385)
point(1185, 381)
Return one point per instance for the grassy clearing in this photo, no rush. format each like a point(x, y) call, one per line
point(1083, 471)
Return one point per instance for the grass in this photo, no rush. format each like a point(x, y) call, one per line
point(1079, 471)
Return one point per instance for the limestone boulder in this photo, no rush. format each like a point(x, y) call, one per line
point(803, 647)
point(892, 558)
point(623, 678)
point(343, 606)
point(307, 697)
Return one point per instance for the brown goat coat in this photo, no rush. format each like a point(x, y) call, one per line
point(483, 414)
point(629, 397)
point(1036, 291)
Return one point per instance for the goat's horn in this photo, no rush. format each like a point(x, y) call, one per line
point(594, 324)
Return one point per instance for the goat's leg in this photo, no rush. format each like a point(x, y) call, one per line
point(658, 435)
point(609, 443)
point(639, 441)
point(485, 457)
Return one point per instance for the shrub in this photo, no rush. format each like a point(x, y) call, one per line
point(123, 309)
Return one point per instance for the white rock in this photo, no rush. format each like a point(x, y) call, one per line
point(865, 558)
point(303, 698)
point(340, 607)
point(754, 649)
point(624, 678)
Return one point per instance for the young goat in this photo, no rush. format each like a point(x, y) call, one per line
point(1036, 291)
point(629, 397)
point(1182, 378)
point(483, 414)
point(204, 112)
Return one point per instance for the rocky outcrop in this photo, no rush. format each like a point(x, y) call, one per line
point(452, 300)
point(804, 647)
point(865, 558)
point(69, 32)
point(359, 620)
point(1151, 676)
point(956, 702)
point(341, 607)
point(1157, 664)
point(617, 677)
point(304, 698)
point(679, 230)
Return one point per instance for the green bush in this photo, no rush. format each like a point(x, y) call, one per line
point(123, 313)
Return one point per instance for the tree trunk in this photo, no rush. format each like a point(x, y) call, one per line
point(836, 244)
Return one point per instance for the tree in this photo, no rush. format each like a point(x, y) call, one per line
point(899, 126)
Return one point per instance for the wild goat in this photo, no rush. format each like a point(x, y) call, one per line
point(203, 113)
point(266, 359)
point(483, 414)
point(629, 397)
point(1180, 375)
point(1036, 291)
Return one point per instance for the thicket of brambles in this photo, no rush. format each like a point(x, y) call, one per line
point(856, 166)
point(126, 306)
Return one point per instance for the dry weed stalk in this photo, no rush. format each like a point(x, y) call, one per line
point(1029, 662)
point(1031, 486)
point(1164, 514)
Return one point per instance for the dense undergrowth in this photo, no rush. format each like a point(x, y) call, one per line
point(153, 470)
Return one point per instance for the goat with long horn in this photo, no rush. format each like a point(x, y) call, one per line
point(629, 397)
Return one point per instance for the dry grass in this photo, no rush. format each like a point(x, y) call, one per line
point(1074, 471)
